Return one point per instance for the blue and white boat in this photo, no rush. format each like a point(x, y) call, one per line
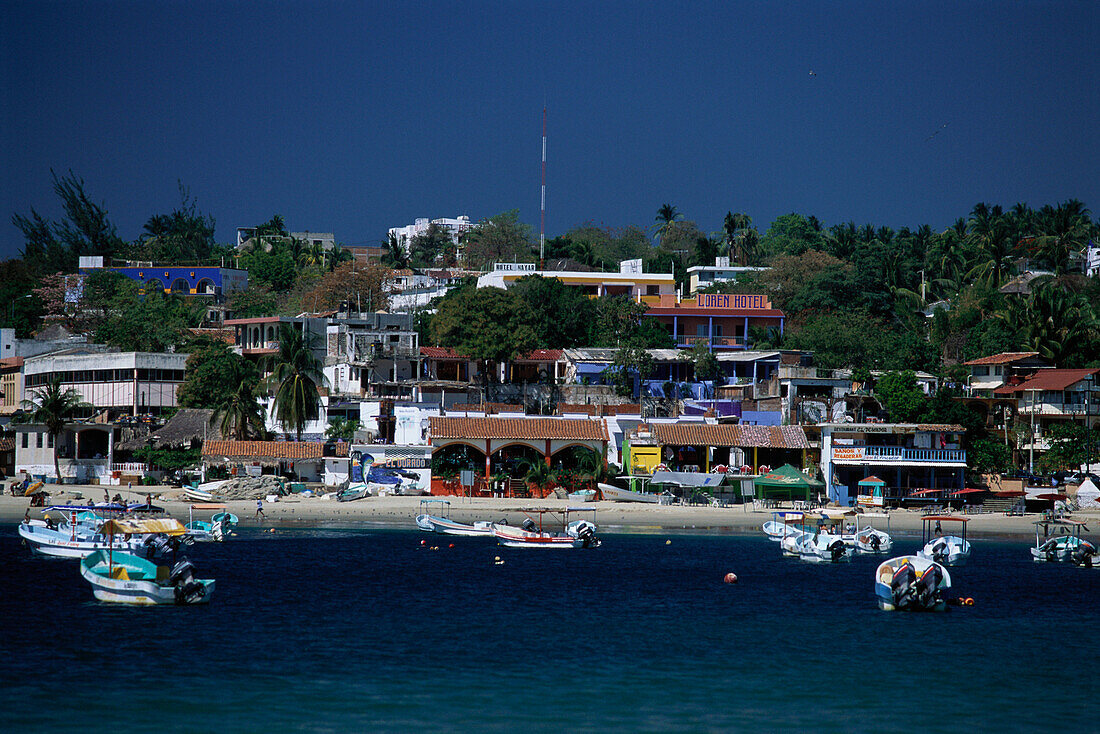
point(912, 584)
point(1060, 541)
point(216, 530)
point(434, 518)
point(75, 535)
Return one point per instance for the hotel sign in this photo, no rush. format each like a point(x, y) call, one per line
point(732, 300)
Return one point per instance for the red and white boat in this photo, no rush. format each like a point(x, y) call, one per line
point(533, 534)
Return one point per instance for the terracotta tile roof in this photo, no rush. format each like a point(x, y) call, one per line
point(1049, 380)
point(271, 449)
point(520, 428)
point(541, 355)
point(7, 444)
point(726, 434)
point(1002, 358)
point(440, 353)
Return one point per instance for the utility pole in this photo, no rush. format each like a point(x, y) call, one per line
point(1031, 444)
point(1088, 422)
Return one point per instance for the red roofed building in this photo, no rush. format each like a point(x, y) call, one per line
point(989, 373)
point(700, 446)
point(1050, 397)
point(494, 444)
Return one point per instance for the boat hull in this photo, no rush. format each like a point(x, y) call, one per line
point(51, 543)
point(141, 591)
point(884, 591)
point(434, 524)
point(616, 494)
point(956, 554)
point(514, 537)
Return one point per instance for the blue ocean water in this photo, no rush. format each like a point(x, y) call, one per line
point(331, 631)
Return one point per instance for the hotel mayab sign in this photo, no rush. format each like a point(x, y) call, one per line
point(732, 300)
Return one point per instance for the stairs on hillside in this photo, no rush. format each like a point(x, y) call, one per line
point(1006, 505)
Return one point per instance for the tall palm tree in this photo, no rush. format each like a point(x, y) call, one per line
point(312, 255)
point(992, 234)
point(296, 376)
point(239, 413)
point(53, 407)
point(667, 216)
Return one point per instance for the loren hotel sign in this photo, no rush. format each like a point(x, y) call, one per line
point(732, 300)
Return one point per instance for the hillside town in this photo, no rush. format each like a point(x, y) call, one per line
point(948, 367)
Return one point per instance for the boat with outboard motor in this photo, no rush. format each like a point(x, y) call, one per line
point(821, 536)
point(949, 550)
point(75, 534)
point(216, 530)
point(869, 539)
point(1059, 540)
point(434, 518)
point(912, 584)
point(125, 578)
point(532, 533)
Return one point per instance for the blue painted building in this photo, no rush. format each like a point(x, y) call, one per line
point(212, 281)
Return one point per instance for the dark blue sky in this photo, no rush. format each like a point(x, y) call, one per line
point(355, 117)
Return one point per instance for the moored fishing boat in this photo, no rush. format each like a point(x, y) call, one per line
point(125, 578)
point(74, 536)
point(869, 539)
point(948, 550)
point(434, 518)
point(533, 534)
point(911, 583)
point(214, 530)
point(1060, 541)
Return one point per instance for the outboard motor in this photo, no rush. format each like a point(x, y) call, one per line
point(1082, 555)
point(181, 574)
point(529, 526)
point(928, 592)
point(902, 586)
point(836, 550)
point(158, 546)
point(940, 552)
point(586, 533)
point(190, 593)
point(874, 541)
point(1050, 550)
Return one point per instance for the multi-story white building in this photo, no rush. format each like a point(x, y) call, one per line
point(455, 227)
point(701, 276)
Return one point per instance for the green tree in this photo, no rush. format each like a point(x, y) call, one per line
point(792, 234)
point(559, 316)
point(988, 456)
point(901, 396)
point(434, 248)
point(499, 238)
point(53, 407)
point(704, 361)
point(256, 300)
point(1068, 447)
point(153, 323)
point(183, 235)
point(630, 361)
point(486, 324)
point(295, 379)
point(667, 217)
point(341, 428)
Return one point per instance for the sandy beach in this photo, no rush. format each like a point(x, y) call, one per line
point(611, 517)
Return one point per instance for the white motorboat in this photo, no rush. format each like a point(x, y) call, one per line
point(216, 530)
point(911, 583)
point(947, 550)
point(1060, 541)
point(533, 534)
point(618, 494)
point(74, 538)
point(869, 539)
point(823, 547)
point(440, 522)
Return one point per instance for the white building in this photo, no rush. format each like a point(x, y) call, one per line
point(701, 276)
point(456, 227)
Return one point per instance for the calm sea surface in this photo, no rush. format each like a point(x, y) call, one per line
point(328, 630)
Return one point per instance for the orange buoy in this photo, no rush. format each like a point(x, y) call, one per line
point(969, 602)
point(731, 578)
point(452, 545)
point(423, 542)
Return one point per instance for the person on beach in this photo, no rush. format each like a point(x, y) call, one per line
point(260, 510)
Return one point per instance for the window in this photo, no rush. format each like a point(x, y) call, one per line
point(39, 440)
point(49, 440)
point(26, 440)
point(653, 290)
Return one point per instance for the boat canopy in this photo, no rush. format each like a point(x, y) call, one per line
point(208, 506)
point(686, 479)
point(159, 526)
point(944, 518)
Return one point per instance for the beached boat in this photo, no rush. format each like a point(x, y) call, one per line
point(356, 491)
point(618, 494)
point(1060, 541)
point(911, 583)
point(582, 495)
point(203, 492)
point(128, 579)
point(533, 533)
point(74, 537)
point(948, 550)
point(434, 518)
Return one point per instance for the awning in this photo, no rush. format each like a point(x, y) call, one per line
point(686, 479)
point(587, 368)
point(162, 526)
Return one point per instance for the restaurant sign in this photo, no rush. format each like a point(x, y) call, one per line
point(732, 300)
point(847, 453)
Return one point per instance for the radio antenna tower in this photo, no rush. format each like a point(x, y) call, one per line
point(542, 213)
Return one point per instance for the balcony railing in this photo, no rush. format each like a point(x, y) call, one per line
point(900, 453)
point(718, 341)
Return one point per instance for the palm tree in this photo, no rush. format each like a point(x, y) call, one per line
point(312, 255)
point(295, 378)
point(53, 407)
point(239, 412)
point(667, 216)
